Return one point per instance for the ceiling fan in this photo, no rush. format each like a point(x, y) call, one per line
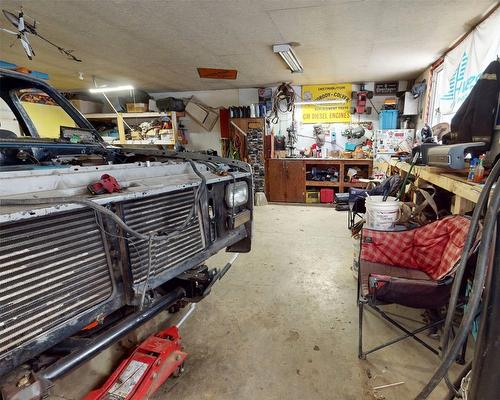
point(24, 28)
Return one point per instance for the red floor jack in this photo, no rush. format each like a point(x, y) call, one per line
point(155, 360)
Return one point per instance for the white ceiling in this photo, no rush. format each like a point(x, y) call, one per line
point(157, 45)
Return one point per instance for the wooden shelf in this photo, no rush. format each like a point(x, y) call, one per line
point(142, 142)
point(322, 183)
point(130, 115)
point(355, 184)
point(250, 118)
point(120, 121)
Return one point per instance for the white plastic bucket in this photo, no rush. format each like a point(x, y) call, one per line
point(381, 215)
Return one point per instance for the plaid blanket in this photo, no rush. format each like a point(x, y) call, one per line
point(434, 248)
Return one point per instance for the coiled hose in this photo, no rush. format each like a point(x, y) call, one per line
point(450, 354)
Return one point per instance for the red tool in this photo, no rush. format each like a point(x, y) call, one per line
point(107, 184)
point(150, 365)
point(361, 97)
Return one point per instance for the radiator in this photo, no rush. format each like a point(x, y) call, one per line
point(51, 269)
point(162, 212)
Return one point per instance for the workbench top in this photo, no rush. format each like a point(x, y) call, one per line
point(323, 159)
point(466, 193)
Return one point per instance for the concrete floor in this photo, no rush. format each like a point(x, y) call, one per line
point(282, 324)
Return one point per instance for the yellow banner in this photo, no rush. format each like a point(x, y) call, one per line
point(324, 113)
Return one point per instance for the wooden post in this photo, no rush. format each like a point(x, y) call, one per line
point(461, 205)
point(173, 117)
point(121, 128)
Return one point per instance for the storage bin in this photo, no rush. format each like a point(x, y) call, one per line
point(137, 107)
point(388, 119)
point(326, 195)
point(88, 107)
point(312, 196)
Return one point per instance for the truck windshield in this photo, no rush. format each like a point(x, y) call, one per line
point(46, 116)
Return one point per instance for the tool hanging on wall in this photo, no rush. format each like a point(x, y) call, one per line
point(291, 140)
point(283, 101)
point(361, 98)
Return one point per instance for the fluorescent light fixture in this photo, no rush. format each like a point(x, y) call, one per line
point(111, 89)
point(288, 55)
point(304, 103)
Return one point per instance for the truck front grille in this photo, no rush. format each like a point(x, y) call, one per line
point(162, 212)
point(51, 269)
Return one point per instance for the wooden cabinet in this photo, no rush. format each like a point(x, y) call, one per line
point(286, 181)
point(295, 182)
point(248, 123)
point(276, 181)
point(286, 178)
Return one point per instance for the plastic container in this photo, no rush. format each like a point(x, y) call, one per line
point(388, 119)
point(382, 215)
point(326, 195)
point(312, 196)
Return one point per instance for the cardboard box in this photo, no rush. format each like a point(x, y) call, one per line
point(137, 107)
point(88, 107)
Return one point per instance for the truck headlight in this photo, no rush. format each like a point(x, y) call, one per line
point(236, 194)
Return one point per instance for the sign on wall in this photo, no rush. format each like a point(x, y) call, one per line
point(386, 88)
point(463, 66)
point(326, 113)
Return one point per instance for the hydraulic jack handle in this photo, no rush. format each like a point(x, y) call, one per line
point(220, 274)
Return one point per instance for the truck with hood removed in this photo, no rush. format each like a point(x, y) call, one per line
point(80, 268)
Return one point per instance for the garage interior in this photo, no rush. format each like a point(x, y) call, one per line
point(306, 191)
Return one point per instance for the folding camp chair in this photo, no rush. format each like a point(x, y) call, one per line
point(357, 207)
point(413, 268)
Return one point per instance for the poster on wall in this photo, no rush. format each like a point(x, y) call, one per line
point(326, 113)
point(463, 66)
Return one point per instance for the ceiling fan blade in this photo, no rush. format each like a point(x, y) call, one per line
point(8, 31)
point(25, 27)
point(14, 20)
point(27, 47)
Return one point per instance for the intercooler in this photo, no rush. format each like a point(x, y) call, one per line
point(51, 269)
point(164, 212)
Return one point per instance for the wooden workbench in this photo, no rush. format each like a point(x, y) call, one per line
point(466, 194)
point(286, 178)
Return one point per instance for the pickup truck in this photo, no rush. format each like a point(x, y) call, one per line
point(97, 239)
